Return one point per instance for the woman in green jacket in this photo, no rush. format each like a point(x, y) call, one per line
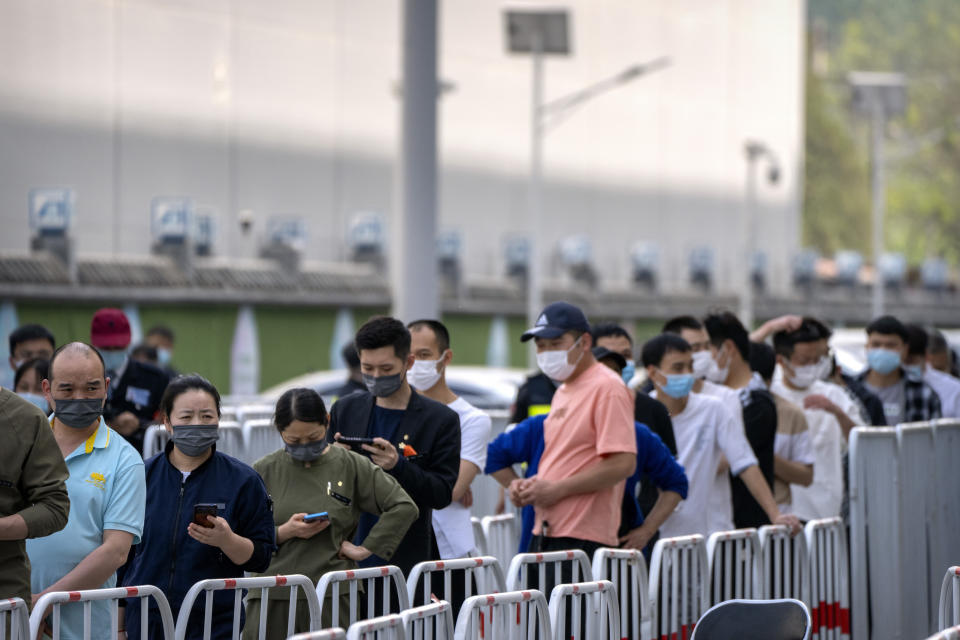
point(306, 477)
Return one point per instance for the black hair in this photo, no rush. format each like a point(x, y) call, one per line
point(144, 351)
point(40, 365)
point(607, 330)
point(821, 328)
point(785, 341)
point(301, 404)
point(181, 384)
point(439, 330)
point(349, 354)
point(937, 343)
point(762, 359)
point(163, 331)
point(80, 347)
point(384, 331)
point(722, 326)
point(679, 323)
point(30, 332)
point(917, 340)
point(888, 326)
point(656, 348)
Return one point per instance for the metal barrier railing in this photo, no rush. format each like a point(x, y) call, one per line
point(784, 564)
point(627, 570)
point(950, 594)
point(518, 574)
point(238, 585)
point(479, 537)
point(388, 627)
point(14, 614)
point(501, 536)
point(733, 563)
point(829, 578)
point(953, 633)
point(508, 618)
point(484, 571)
point(325, 634)
point(430, 622)
point(387, 577)
point(678, 585)
point(56, 599)
point(601, 610)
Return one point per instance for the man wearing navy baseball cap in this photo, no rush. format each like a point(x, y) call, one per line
point(590, 445)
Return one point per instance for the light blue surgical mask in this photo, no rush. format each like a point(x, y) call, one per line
point(883, 361)
point(163, 356)
point(914, 371)
point(678, 385)
point(629, 371)
point(113, 360)
point(36, 399)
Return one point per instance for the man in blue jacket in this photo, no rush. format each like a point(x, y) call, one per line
point(524, 444)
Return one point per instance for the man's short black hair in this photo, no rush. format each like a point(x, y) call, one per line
point(937, 343)
point(81, 347)
point(762, 360)
point(40, 365)
point(384, 331)
point(917, 340)
point(163, 331)
point(888, 326)
point(609, 330)
point(349, 354)
point(144, 351)
point(785, 341)
point(821, 328)
point(439, 330)
point(722, 326)
point(679, 323)
point(31, 332)
point(656, 348)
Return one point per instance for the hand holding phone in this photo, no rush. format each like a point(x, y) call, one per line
point(202, 513)
point(355, 442)
point(316, 517)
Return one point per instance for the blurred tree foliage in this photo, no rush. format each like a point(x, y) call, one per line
point(920, 38)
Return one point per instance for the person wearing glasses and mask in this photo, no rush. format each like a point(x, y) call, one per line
point(309, 478)
point(106, 489)
point(183, 543)
point(415, 440)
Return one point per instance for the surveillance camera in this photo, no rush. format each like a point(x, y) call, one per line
point(245, 218)
point(773, 175)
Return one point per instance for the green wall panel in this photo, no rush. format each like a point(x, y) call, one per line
point(68, 322)
point(516, 325)
point(469, 336)
point(294, 341)
point(204, 336)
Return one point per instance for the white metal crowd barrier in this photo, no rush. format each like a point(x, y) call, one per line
point(501, 535)
point(324, 634)
point(388, 627)
point(904, 519)
point(154, 440)
point(784, 564)
point(479, 537)
point(829, 579)
point(518, 575)
point(949, 594)
point(430, 622)
point(57, 599)
point(484, 571)
point(388, 579)
point(508, 618)
point(597, 600)
point(678, 585)
point(231, 439)
point(733, 564)
point(13, 614)
point(953, 633)
point(246, 412)
point(627, 570)
point(237, 585)
point(260, 437)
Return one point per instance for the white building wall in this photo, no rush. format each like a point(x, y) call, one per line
point(289, 107)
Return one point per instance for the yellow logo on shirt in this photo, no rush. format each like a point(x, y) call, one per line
point(98, 480)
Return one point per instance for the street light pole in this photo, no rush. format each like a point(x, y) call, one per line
point(534, 195)
point(754, 151)
point(878, 201)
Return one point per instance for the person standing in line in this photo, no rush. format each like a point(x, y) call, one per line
point(915, 365)
point(29, 342)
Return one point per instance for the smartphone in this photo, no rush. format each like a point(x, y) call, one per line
point(202, 511)
point(355, 442)
point(313, 517)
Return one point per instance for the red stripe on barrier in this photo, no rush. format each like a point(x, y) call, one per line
point(132, 592)
point(683, 631)
point(482, 634)
point(815, 618)
point(518, 615)
point(539, 557)
point(384, 571)
point(281, 580)
point(230, 583)
point(957, 571)
point(350, 575)
point(845, 621)
point(569, 555)
point(823, 614)
point(440, 565)
point(491, 600)
point(835, 615)
point(74, 596)
point(478, 561)
point(526, 596)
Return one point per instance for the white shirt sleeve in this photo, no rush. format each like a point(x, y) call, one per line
point(474, 436)
point(733, 442)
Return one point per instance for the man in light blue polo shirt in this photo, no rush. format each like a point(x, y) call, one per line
point(106, 488)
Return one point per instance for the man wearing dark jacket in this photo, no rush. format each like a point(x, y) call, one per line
point(416, 440)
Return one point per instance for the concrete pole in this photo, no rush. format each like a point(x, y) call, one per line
point(414, 263)
point(879, 200)
point(749, 235)
point(534, 195)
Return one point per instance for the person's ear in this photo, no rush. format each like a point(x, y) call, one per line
point(167, 425)
point(410, 360)
point(446, 358)
point(587, 340)
point(47, 391)
point(651, 370)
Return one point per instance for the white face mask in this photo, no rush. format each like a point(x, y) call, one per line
point(715, 373)
point(701, 364)
point(803, 377)
point(554, 363)
point(825, 368)
point(424, 374)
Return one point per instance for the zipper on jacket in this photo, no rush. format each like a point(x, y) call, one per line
point(173, 539)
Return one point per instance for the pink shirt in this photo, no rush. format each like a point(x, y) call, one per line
point(590, 418)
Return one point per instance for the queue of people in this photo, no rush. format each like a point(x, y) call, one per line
point(711, 427)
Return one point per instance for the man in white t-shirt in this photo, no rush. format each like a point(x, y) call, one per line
point(430, 345)
point(705, 430)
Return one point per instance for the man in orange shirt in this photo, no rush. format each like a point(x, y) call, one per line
point(590, 443)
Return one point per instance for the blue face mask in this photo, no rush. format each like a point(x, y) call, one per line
point(883, 361)
point(914, 371)
point(35, 399)
point(113, 360)
point(163, 356)
point(629, 371)
point(678, 385)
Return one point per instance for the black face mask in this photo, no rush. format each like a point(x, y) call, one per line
point(383, 386)
point(78, 413)
point(306, 452)
point(194, 439)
